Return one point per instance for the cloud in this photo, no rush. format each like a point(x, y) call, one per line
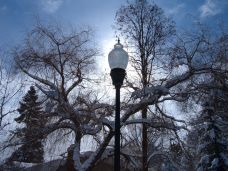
point(176, 9)
point(51, 6)
point(210, 8)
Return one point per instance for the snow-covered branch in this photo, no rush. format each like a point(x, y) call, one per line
point(108, 123)
point(58, 125)
point(89, 163)
point(150, 91)
point(91, 130)
point(155, 124)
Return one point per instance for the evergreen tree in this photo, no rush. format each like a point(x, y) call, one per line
point(212, 148)
point(31, 116)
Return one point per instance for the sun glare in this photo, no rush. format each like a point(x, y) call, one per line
point(107, 46)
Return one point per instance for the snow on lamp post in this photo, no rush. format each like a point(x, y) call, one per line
point(118, 60)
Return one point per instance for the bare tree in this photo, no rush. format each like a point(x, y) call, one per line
point(164, 69)
point(147, 31)
point(60, 63)
point(7, 92)
point(10, 89)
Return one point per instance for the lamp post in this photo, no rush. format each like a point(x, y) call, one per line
point(118, 60)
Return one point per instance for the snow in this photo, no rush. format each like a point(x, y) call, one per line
point(110, 124)
point(149, 91)
point(205, 159)
point(215, 163)
point(107, 153)
point(26, 165)
point(200, 169)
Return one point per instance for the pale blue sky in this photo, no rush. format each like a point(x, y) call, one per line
point(18, 16)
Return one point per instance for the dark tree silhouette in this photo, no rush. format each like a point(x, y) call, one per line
point(212, 147)
point(146, 30)
point(61, 63)
point(30, 136)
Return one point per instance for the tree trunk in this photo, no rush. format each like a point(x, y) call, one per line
point(144, 142)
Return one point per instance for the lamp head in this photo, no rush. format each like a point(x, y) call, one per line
point(118, 57)
point(118, 60)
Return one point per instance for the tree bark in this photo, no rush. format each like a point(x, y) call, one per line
point(144, 142)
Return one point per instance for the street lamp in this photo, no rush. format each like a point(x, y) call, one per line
point(118, 60)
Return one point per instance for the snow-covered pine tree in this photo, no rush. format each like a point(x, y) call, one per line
point(30, 110)
point(213, 142)
point(190, 158)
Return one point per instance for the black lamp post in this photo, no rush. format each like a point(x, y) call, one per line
point(118, 60)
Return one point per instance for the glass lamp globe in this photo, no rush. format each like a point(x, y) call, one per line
point(118, 57)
